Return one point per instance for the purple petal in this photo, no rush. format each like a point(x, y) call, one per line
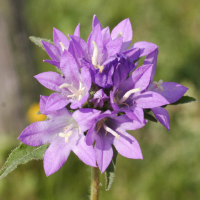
point(135, 113)
point(140, 78)
point(52, 62)
point(52, 51)
point(56, 101)
point(78, 103)
point(124, 122)
point(77, 31)
point(85, 153)
point(145, 47)
point(86, 76)
point(106, 35)
point(43, 100)
point(127, 146)
point(152, 59)
point(114, 46)
point(90, 137)
point(58, 37)
point(150, 100)
point(172, 91)
point(80, 48)
point(95, 22)
point(69, 66)
point(50, 80)
point(56, 155)
point(162, 116)
point(85, 117)
point(133, 54)
point(125, 28)
point(37, 133)
point(96, 36)
point(120, 76)
point(103, 149)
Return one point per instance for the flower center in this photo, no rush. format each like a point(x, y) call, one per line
point(78, 94)
point(67, 132)
point(126, 95)
point(95, 58)
point(158, 85)
point(107, 129)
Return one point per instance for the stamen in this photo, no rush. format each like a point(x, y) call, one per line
point(62, 46)
point(120, 34)
point(95, 54)
point(73, 90)
point(69, 87)
point(95, 58)
point(110, 131)
point(127, 95)
point(66, 135)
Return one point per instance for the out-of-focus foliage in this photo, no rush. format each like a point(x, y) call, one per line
point(170, 169)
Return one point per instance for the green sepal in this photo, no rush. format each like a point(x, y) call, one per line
point(184, 99)
point(150, 117)
point(110, 171)
point(38, 42)
point(22, 155)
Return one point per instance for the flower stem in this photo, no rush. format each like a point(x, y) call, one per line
point(94, 183)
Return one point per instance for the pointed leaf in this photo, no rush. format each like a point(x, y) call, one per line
point(184, 99)
point(38, 42)
point(22, 155)
point(110, 171)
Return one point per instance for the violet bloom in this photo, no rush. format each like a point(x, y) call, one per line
point(109, 130)
point(99, 98)
point(101, 48)
point(61, 42)
point(129, 95)
point(64, 134)
point(72, 88)
point(171, 91)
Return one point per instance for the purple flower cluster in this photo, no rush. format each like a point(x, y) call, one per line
point(100, 94)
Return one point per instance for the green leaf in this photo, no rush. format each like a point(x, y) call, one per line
point(22, 155)
point(149, 117)
point(110, 171)
point(38, 42)
point(184, 99)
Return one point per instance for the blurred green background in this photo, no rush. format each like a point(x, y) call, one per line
point(171, 165)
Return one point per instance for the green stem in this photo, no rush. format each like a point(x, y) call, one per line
point(94, 183)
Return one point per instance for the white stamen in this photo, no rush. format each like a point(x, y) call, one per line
point(120, 34)
point(110, 131)
point(62, 46)
point(127, 95)
point(75, 93)
point(66, 135)
point(69, 87)
point(95, 54)
point(94, 58)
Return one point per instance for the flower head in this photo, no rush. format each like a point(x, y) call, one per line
point(63, 132)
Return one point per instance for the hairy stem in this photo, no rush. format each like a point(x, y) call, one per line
point(94, 183)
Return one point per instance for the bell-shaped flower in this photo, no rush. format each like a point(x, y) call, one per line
point(129, 95)
point(61, 42)
point(169, 90)
point(109, 129)
point(72, 88)
point(64, 134)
